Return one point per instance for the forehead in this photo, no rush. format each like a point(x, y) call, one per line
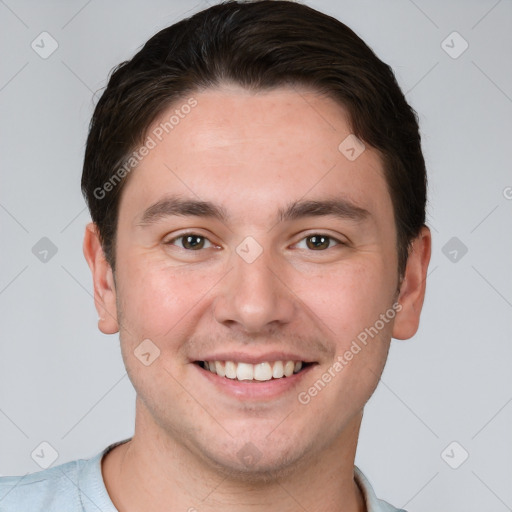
point(255, 150)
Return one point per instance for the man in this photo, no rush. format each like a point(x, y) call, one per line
point(257, 190)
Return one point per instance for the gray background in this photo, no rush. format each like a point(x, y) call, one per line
point(63, 382)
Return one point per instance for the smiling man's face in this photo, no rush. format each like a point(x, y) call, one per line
point(261, 275)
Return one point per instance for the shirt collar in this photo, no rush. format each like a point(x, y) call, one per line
point(373, 504)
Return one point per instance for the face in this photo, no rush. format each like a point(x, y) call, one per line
point(287, 265)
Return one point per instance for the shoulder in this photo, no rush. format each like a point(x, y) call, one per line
point(51, 489)
point(75, 486)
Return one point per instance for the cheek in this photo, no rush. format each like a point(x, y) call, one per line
point(158, 300)
point(350, 298)
point(350, 302)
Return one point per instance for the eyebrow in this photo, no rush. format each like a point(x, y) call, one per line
point(341, 208)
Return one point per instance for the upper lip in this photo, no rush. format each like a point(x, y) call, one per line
point(243, 357)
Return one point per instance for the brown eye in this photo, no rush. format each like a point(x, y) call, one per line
point(190, 241)
point(319, 242)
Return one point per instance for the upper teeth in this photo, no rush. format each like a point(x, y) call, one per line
point(247, 371)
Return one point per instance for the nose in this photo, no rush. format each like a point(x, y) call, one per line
point(254, 297)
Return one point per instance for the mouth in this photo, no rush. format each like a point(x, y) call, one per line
point(256, 373)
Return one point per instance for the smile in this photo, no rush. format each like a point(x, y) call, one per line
point(259, 372)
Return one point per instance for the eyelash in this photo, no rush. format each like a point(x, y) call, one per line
point(319, 234)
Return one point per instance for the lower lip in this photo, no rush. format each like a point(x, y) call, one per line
point(255, 390)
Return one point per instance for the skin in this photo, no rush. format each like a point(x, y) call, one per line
point(281, 146)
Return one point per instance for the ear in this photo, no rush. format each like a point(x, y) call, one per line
point(103, 279)
point(412, 288)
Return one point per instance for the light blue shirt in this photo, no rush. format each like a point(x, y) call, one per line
point(78, 486)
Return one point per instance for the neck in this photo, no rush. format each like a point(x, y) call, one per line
point(154, 472)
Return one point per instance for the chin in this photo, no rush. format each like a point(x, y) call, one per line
point(251, 465)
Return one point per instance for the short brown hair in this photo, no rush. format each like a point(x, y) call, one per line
point(258, 45)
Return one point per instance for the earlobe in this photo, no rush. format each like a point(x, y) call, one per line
point(103, 280)
point(412, 288)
